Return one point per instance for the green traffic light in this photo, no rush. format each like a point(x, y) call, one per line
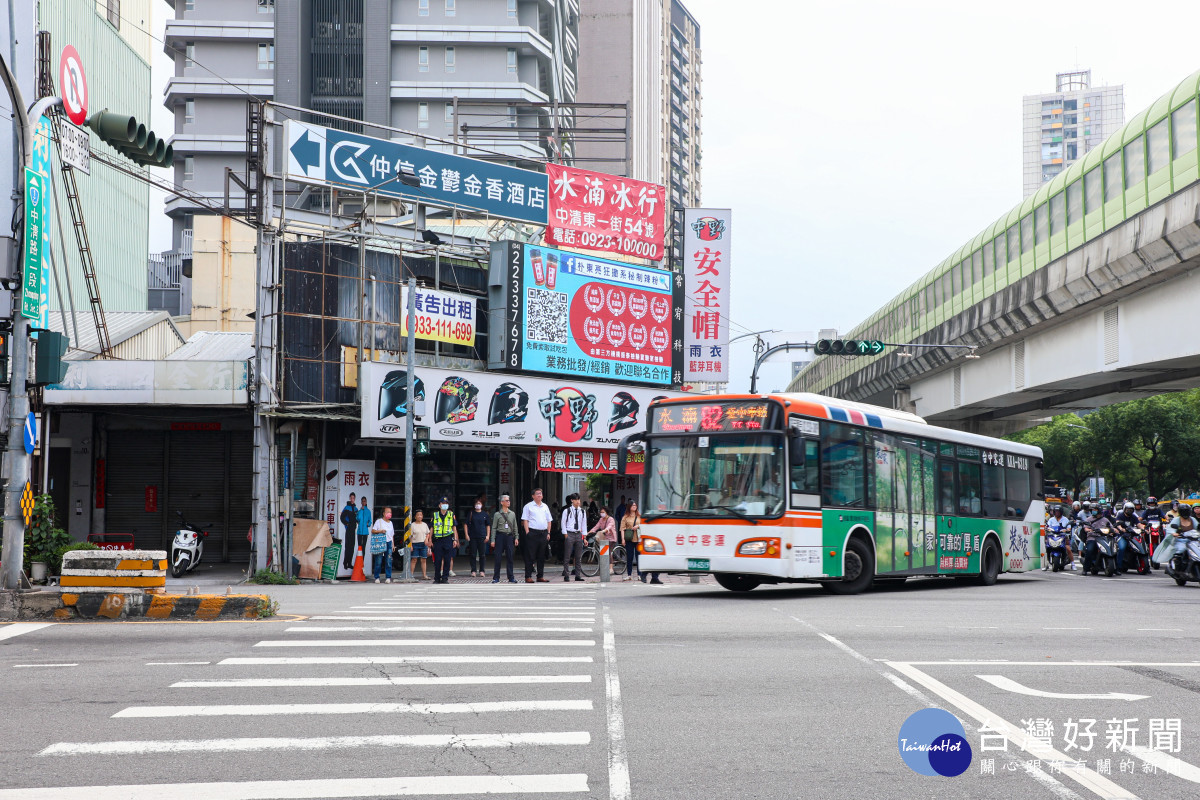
point(132, 139)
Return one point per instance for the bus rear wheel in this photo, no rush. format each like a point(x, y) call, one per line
point(737, 583)
point(858, 570)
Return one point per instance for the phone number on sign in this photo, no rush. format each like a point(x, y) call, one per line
point(600, 241)
point(458, 331)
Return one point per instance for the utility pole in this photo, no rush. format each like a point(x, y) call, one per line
point(16, 459)
point(410, 404)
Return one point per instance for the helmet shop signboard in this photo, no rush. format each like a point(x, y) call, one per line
point(571, 314)
point(479, 407)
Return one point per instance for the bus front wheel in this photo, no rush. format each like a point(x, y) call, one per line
point(737, 583)
point(989, 564)
point(858, 570)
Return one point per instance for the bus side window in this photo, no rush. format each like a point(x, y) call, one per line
point(946, 504)
point(843, 467)
point(805, 471)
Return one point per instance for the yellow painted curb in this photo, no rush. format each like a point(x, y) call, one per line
point(210, 607)
point(161, 606)
point(70, 599)
point(112, 605)
point(146, 563)
point(91, 580)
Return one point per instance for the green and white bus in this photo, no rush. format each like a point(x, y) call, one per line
point(787, 488)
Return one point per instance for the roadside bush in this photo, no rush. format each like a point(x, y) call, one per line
point(55, 559)
point(266, 577)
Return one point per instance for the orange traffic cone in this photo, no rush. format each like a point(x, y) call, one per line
point(357, 576)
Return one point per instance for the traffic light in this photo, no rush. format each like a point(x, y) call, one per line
point(849, 347)
point(49, 366)
point(132, 139)
point(421, 440)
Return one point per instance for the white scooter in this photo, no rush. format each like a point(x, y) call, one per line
point(188, 547)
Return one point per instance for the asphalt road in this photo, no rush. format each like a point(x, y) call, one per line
point(566, 689)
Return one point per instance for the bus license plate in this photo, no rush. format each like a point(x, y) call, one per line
point(698, 563)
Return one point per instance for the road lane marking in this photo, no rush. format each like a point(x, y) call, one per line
point(370, 618)
point(1001, 682)
point(31, 666)
point(432, 628)
point(1088, 779)
point(618, 759)
point(318, 788)
point(427, 643)
point(391, 680)
point(1169, 764)
point(396, 607)
point(176, 663)
point(281, 709)
point(1056, 663)
point(1160, 629)
point(15, 629)
point(1066, 629)
point(467, 741)
point(435, 614)
point(281, 660)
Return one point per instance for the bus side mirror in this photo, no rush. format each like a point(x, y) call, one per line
point(634, 442)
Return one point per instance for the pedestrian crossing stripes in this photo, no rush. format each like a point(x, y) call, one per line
point(511, 715)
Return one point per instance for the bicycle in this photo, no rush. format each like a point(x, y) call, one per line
point(589, 562)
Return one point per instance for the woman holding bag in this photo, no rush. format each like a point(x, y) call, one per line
point(630, 533)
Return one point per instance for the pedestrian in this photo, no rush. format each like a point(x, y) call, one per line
point(592, 513)
point(556, 537)
point(574, 523)
point(502, 538)
point(630, 534)
point(605, 530)
point(622, 508)
point(365, 519)
point(477, 529)
point(418, 540)
point(445, 539)
point(349, 519)
point(383, 542)
point(537, 521)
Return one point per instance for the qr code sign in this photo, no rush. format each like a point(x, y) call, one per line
point(546, 316)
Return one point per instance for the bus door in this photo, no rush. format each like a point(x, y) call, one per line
point(885, 485)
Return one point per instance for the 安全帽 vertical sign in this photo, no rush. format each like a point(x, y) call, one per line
point(707, 246)
point(31, 280)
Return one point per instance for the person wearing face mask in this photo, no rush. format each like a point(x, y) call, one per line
point(445, 539)
point(477, 529)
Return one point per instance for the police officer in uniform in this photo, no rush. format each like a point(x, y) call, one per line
point(445, 539)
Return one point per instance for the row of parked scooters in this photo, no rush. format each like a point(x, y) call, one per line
point(1118, 546)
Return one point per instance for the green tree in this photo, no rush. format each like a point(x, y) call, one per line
point(1065, 450)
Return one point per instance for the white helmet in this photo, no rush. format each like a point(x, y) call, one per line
point(1075, 505)
point(1129, 505)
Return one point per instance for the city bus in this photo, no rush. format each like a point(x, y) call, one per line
point(795, 488)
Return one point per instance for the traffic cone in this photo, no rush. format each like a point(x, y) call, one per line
point(357, 576)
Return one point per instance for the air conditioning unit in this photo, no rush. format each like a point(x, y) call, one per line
point(325, 30)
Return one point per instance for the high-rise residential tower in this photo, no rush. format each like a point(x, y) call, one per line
point(1059, 128)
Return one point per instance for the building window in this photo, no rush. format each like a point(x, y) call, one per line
point(422, 59)
point(1014, 243)
point(1158, 148)
point(189, 111)
point(512, 8)
point(512, 59)
point(1026, 234)
point(266, 56)
point(189, 168)
point(1074, 202)
point(422, 8)
point(1183, 129)
point(1112, 177)
point(422, 115)
point(449, 113)
point(264, 6)
point(1135, 163)
point(113, 12)
point(988, 265)
point(450, 8)
point(1058, 216)
point(190, 5)
point(189, 55)
point(449, 59)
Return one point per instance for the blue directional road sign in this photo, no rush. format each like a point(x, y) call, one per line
point(30, 433)
point(316, 154)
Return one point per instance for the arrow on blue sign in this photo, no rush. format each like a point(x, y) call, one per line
point(30, 433)
point(307, 152)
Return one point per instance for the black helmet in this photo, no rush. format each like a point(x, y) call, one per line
point(457, 400)
point(624, 412)
point(393, 394)
point(1151, 500)
point(510, 403)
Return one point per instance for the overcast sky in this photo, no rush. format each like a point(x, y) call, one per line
point(860, 143)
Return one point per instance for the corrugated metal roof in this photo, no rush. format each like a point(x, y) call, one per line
point(216, 346)
point(122, 326)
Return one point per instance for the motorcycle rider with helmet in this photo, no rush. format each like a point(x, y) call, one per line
point(1057, 523)
point(1103, 519)
point(1127, 519)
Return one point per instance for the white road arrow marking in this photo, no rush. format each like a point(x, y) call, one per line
point(1001, 682)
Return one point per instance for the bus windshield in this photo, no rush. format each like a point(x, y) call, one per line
point(727, 475)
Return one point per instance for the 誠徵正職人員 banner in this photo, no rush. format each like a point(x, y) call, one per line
point(571, 314)
point(597, 211)
point(466, 406)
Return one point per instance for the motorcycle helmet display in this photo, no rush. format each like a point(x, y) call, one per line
point(393, 394)
point(457, 400)
point(510, 403)
point(624, 412)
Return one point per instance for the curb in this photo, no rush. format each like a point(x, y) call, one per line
point(124, 603)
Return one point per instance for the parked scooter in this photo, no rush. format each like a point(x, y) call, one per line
point(188, 547)
point(1185, 566)
point(1137, 549)
point(1106, 554)
point(1056, 550)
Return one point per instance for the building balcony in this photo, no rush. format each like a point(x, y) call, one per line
point(208, 143)
point(465, 90)
point(525, 39)
point(179, 31)
point(178, 88)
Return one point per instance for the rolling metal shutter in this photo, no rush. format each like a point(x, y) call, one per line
point(241, 478)
point(135, 461)
point(196, 467)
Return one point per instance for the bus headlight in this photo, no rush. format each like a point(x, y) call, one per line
point(760, 548)
point(651, 546)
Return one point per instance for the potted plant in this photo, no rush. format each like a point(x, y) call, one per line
point(43, 538)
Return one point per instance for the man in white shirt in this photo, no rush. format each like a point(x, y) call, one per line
point(574, 528)
point(536, 520)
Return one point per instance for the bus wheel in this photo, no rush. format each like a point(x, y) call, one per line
point(858, 570)
point(989, 564)
point(737, 583)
